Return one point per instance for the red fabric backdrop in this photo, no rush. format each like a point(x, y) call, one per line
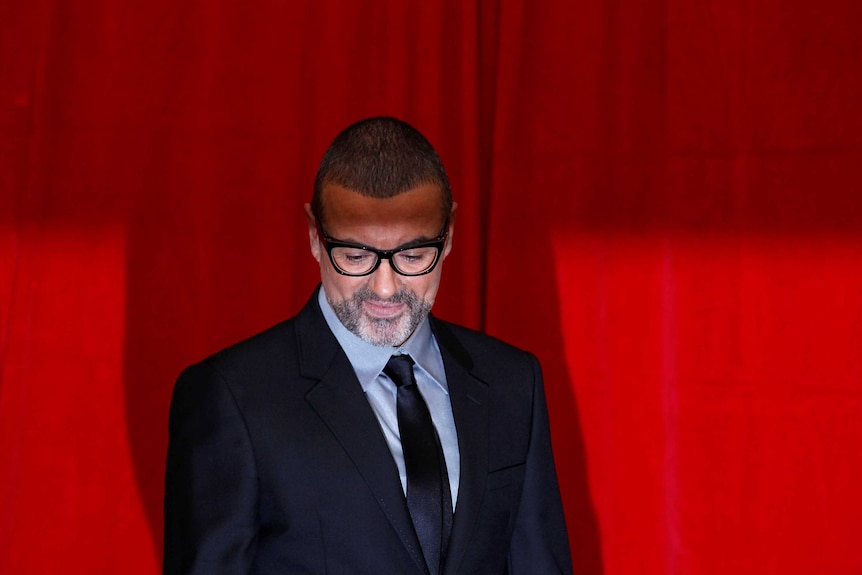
point(661, 198)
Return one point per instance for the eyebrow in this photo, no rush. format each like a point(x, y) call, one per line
point(411, 243)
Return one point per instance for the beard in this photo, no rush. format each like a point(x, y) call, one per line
point(389, 331)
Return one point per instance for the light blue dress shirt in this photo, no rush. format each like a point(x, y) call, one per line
point(368, 362)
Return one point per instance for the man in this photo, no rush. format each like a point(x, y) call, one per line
point(364, 436)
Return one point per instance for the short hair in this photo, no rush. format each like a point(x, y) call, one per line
point(380, 158)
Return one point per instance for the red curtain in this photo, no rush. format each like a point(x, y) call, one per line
point(662, 199)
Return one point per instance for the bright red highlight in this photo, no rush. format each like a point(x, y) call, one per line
point(660, 199)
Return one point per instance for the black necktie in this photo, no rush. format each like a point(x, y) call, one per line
point(428, 496)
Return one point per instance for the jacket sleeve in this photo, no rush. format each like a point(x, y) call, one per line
point(210, 480)
point(540, 544)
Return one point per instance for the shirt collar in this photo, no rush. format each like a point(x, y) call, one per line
point(368, 360)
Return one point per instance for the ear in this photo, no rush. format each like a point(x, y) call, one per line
point(314, 241)
point(447, 247)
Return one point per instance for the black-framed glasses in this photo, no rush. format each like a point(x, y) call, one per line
point(413, 259)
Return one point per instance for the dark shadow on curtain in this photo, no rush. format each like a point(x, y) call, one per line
point(199, 281)
point(159, 331)
point(526, 312)
point(544, 337)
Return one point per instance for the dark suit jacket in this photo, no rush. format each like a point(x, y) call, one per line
point(276, 463)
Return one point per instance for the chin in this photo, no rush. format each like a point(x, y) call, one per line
point(385, 332)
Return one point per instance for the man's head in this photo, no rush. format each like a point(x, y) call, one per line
point(381, 185)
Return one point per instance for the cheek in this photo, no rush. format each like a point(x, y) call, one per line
point(337, 286)
point(427, 287)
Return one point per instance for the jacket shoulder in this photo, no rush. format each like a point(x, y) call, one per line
point(272, 344)
point(481, 353)
point(256, 361)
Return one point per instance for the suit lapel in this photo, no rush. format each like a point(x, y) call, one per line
point(339, 401)
point(469, 398)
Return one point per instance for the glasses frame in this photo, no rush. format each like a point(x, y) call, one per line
point(329, 243)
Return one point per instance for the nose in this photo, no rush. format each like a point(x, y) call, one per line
point(384, 282)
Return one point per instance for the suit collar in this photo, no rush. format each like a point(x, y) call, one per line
point(317, 346)
point(469, 397)
point(338, 400)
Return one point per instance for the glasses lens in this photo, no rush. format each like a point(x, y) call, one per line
point(353, 260)
point(415, 261)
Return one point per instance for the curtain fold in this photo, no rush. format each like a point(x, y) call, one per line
point(659, 198)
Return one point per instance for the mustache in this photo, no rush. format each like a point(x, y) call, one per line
point(367, 294)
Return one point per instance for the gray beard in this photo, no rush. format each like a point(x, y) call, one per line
point(382, 332)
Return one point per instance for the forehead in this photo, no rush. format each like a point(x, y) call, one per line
point(412, 214)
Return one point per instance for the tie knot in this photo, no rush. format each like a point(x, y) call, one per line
point(399, 368)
